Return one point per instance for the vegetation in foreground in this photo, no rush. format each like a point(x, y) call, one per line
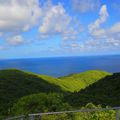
point(15, 84)
point(55, 102)
point(27, 93)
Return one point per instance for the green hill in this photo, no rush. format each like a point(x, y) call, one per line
point(15, 84)
point(105, 92)
point(76, 82)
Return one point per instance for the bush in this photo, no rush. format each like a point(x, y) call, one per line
point(41, 103)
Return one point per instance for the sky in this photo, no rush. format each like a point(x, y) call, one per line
point(49, 28)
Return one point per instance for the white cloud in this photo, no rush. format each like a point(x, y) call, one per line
point(15, 40)
point(94, 28)
point(104, 38)
point(18, 15)
point(98, 32)
point(70, 37)
point(85, 5)
point(56, 20)
point(115, 28)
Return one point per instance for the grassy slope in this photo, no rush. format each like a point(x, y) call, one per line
point(105, 92)
point(15, 84)
point(76, 82)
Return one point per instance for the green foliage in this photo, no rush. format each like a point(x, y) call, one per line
point(95, 115)
point(76, 82)
point(40, 103)
point(57, 117)
point(105, 92)
point(15, 84)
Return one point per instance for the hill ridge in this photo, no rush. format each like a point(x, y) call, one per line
point(15, 83)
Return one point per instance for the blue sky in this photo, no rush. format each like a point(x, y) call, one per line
point(48, 28)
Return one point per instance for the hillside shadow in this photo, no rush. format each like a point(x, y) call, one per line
point(106, 92)
point(15, 84)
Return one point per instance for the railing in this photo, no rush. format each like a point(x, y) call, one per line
point(16, 117)
point(37, 116)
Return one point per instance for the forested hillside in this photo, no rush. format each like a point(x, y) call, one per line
point(105, 92)
point(15, 84)
point(55, 94)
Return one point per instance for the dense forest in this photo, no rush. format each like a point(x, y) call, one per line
point(23, 92)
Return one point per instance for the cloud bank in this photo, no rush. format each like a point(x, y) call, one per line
point(18, 15)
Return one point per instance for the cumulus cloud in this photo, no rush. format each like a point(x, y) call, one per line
point(115, 28)
point(94, 28)
point(70, 37)
point(15, 40)
point(97, 31)
point(18, 15)
point(85, 5)
point(56, 20)
point(103, 38)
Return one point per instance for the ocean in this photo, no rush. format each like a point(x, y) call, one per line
point(62, 66)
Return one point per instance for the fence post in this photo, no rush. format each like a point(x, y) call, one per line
point(31, 117)
point(39, 117)
point(21, 118)
point(117, 114)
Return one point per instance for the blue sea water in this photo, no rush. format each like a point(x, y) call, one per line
point(61, 66)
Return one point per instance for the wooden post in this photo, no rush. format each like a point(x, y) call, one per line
point(117, 114)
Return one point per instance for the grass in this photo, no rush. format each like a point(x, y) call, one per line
point(15, 84)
